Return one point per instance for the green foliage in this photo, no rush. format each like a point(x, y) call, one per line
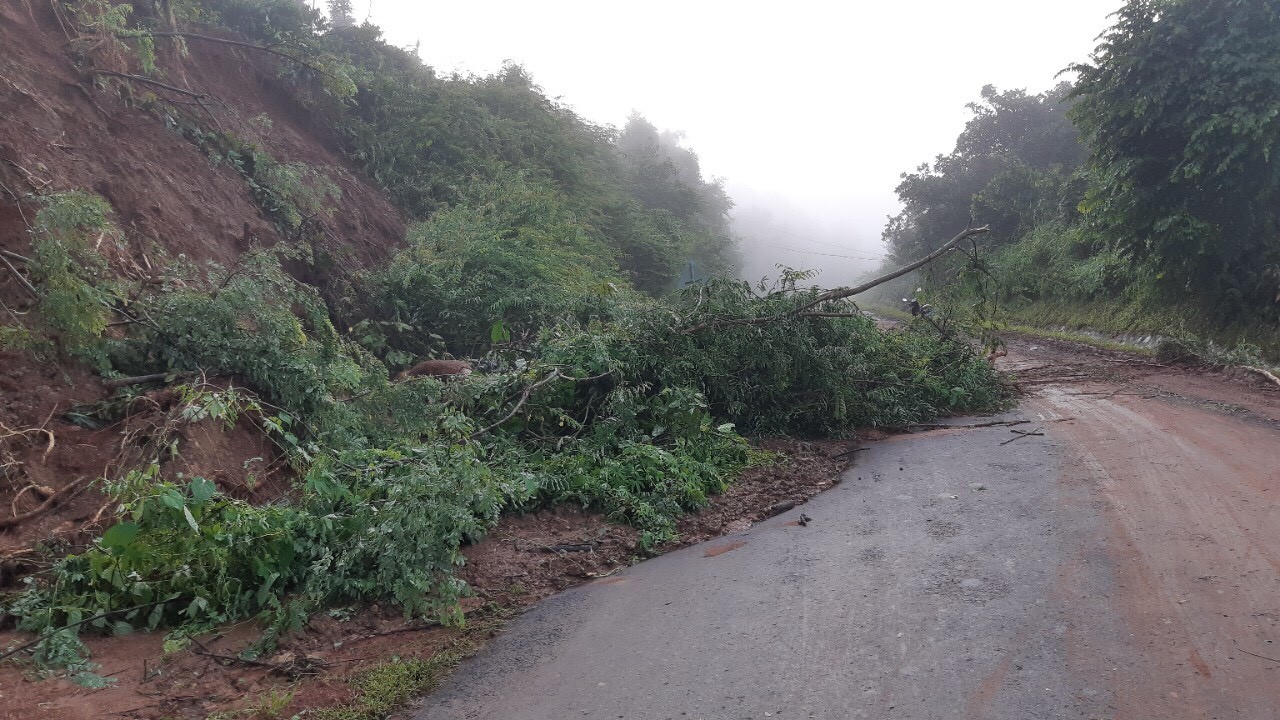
point(252, 322)
point(1058, 262)
point(104, 27)
point(428, 140)
point(812, 375)
point(390, 523)
point(645, 458)
point(72, 232)
point(181, 554)
point(289, 193)
point(1179, 110)
point(514, 254)
point(1012, 168)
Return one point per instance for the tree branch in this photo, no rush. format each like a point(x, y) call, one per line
point(140, 379)
point(26, 284)
point(41, 638)
point(48, 503)
point(840, 293)
point(237, 43)
point(149, 81)
point(524, 397)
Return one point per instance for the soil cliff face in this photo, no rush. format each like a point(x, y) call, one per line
point(68, 125)
point(69, 128)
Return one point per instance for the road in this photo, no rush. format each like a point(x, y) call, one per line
point(1124, 564)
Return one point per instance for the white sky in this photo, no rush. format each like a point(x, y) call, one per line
point(819, 104)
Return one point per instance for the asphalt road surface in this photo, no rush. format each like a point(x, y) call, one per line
point(1124, 564)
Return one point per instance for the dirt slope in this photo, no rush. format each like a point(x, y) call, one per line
point(66, 129)
point(61, 132)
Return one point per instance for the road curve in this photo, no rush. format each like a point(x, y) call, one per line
point(1125, 564)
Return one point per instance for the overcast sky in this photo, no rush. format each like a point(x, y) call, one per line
point(819, 104)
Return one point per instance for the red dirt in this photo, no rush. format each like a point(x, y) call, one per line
point(61, 133)
point(718, 550)
point(1189, 460)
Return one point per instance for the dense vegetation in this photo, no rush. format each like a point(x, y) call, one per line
point(546, 244)
point(1144, 196)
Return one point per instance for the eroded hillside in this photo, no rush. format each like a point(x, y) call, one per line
point(68, 125)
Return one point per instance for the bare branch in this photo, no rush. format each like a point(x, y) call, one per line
point(75, 485)
point(840, 293)
point(149, 81)
point(262, 48)
point(524, 397)
point(21, 280)
point(140, 379)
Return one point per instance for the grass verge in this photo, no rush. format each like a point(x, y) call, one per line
point(388, 687)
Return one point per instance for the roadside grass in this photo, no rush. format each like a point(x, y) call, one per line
point(1136, 318)
point(390, 686)
point(1082, 339)
point(1089, 323)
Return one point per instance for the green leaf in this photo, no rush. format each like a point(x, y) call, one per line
point(120, 535)
point(202, 490)
point(191, 520)
point(172, 499)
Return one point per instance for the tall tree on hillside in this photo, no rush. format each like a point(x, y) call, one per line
point(1012, 166)
point(663, 175)
point(666, 176)
point(341, 13)
point(1180, 109)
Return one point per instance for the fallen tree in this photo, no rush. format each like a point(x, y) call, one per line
point(807, 309)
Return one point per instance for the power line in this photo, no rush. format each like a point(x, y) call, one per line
point(797, 236)
point(815, 252)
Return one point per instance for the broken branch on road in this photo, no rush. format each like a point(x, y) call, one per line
point(940, 426)
point(1020, 434)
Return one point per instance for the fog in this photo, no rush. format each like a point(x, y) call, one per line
point(809, 110)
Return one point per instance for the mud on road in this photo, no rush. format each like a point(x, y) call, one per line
point(1123, 564)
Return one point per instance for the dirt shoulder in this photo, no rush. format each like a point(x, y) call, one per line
point(1038, 362)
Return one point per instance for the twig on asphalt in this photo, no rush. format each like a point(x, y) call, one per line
point(1020, 435)
point(940, 426)
point(1246, 652)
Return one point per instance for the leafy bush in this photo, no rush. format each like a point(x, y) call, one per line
point(250, 321)
point(72, 235)
point(1054, 261)
point(793, 373)
point(513, 255)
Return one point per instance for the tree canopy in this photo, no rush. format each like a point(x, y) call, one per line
point(1012, 166)
point(1180, 111)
